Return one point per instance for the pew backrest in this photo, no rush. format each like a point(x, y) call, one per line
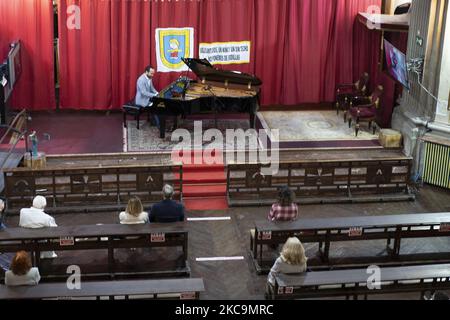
point(361, 281)
point(187, 288)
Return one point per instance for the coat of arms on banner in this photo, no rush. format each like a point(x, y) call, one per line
point(172, 44)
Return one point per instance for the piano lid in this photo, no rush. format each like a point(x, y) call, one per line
point(203, 69)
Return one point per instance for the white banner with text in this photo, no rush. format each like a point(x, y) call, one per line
point(226, 52)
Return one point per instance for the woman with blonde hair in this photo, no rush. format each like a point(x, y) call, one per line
point(134, 214)
point(21, 272)
point(291, 261)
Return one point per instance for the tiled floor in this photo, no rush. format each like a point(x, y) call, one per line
point(238, 279)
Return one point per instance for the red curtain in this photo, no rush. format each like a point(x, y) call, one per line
point(30, 21)
point(271, 33)
point(171, 14)
point(226, 21)
point(130, 47)
point(300, 48)
point(85, 56)
point(319, 48)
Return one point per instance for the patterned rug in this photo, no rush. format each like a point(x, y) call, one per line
point(147, 138)
point(313, 126)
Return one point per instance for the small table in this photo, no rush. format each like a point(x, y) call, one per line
point(35, 162)
point(390, 138)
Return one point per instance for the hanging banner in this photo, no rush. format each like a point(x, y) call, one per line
point(172, 44)
point(226, 52)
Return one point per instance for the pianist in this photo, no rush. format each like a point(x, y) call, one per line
point(145, 91)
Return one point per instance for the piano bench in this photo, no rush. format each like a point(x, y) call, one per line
point(135, 111)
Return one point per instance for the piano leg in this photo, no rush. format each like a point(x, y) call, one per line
point(252, 119)
point(162, 126)
point(175, 123)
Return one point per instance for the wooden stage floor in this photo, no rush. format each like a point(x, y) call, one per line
point(99, 132)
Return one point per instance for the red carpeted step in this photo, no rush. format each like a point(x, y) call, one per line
point(204, 185)
point(197, 158)
point(201, 177)
point(203, 167)
point(213, 203)
point(204, 191)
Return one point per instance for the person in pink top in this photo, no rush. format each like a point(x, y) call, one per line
point(285, 209)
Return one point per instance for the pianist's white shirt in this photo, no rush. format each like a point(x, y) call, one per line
point(35, 218)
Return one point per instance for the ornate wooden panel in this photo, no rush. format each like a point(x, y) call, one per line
point(150, 181)
point(319, 181)
point(84, 187)
point(254, 178)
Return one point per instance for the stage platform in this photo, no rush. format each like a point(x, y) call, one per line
point(316, 147)
point(315, 130)
point(321, 129)
point(104, 160)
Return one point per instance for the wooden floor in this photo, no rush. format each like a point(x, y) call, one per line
point(238, 279)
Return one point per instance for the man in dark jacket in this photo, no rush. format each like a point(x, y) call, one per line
point(167, 210)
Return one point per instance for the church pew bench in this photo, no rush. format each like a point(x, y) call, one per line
point(188, 289)
point(328, 181)
point(362, 282)
point(391, 228)
point(91, 188)
point(107, 238)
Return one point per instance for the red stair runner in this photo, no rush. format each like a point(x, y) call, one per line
point(204, 186)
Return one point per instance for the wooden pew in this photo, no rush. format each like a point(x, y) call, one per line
point(380, 177)
point(99, 237)
point(147, 289)
point(91, 188)
point(391, 228)
point(355, 283)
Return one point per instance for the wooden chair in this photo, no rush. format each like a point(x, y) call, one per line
point(346, 92)
point(364, 109)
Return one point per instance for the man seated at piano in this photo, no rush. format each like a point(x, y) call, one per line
point(145, 91)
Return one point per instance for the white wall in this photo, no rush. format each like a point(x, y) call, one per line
point(442, 113)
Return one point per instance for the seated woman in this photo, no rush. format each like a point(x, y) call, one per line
point(21, 272)
point(134, 214)
point(285, 209)
point(291, 261)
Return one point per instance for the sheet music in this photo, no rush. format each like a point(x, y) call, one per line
point(4, 82)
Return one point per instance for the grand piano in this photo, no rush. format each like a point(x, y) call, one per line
point(215, 91)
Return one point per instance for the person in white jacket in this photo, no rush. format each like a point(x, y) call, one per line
point(35, 218)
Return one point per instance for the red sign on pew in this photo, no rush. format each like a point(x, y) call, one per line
point(66, 241)
point(265, 235)
point(355, 232)
point(188, 296)
point(64, 298)
point(289, 290)
point(285, 290)
point(158, 237)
